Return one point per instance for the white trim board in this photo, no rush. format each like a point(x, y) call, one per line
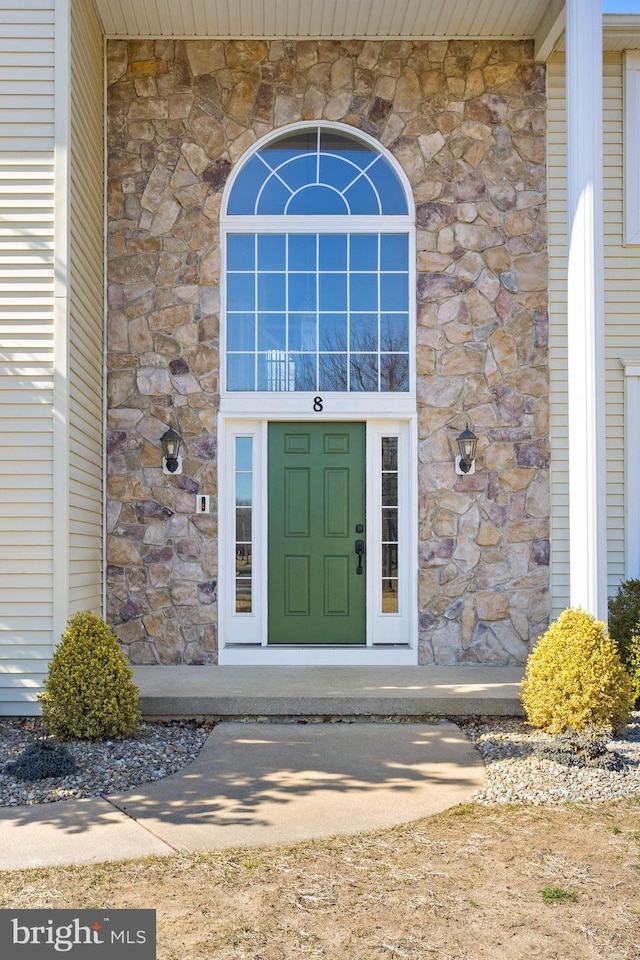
point(632, 466)
point(632, 147)
point(61, 321)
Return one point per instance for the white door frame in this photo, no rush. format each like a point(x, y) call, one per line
point(392, 639)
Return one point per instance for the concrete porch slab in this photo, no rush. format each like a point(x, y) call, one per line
point(252, 691)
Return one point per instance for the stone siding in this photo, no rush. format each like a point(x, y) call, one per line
point(466, 121)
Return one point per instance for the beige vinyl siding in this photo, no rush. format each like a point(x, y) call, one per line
point(26, 348)
point(557, 203)
point(622, 299)
point(86, 310)
point(622, 316)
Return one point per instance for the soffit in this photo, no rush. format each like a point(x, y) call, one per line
point(541, 20)
point(621, 33)
point(324, 18)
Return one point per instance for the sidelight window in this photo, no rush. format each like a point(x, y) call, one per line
point(390, 544)
point(244, 523)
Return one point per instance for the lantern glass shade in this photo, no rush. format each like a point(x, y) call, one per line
point(467, 443)
point(171, 441)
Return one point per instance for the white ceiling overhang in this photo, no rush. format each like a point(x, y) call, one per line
point(539, 20)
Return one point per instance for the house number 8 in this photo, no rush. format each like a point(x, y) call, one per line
point(317, 404)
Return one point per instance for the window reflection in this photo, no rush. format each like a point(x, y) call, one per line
point(363, 250)
point(272, 252)
point(272, 331)
point(390, 489)
point(305, 368)
point(319, 326)
point(332, 293)
point(302, 331)
point(389, 453)
point(363, 292)
point(241, 331)
point(244, 523)
point(302, 253)
point(333, 331)
point(364, 332)
point(390, 596)
point(390, 536)
point(394, 332)
point(243, 454)
point(241, 371)
point(390, 524)
point(394, 372)
point(241, 291)
point(241, 252)
point(302, 291)
point(332, 251)
point(364, 371)
point(332, 371)
point(317, 172)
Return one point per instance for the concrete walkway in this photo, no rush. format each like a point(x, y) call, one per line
point(257, 784)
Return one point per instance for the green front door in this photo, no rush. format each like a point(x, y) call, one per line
point(316, 503)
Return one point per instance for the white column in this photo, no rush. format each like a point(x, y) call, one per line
point(585, 308)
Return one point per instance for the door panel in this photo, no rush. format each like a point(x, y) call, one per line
point(316, 496)
point(297, 586)
point(297, 505)
point(336, 502)
point(336, 586)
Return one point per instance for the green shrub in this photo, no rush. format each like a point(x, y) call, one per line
point(632, 662)
point(41, 760)
point(574, 677)
point(624, 614)
point(89, 693)
point(585, 748)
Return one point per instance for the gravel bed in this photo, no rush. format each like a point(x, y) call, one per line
point(514, 773)
point(103, 767)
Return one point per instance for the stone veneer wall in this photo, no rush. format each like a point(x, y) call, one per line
point(466, 120)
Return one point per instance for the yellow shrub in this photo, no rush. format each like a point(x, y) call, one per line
point(89, 693)
point(574, 677)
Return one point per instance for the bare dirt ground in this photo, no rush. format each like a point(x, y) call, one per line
point(542, 883)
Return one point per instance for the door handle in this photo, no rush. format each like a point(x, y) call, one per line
point(359, 545)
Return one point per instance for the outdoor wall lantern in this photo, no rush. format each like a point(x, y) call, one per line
point(171, 461)
point(466, 459)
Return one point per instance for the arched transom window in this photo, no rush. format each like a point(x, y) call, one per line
point(317, 233)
